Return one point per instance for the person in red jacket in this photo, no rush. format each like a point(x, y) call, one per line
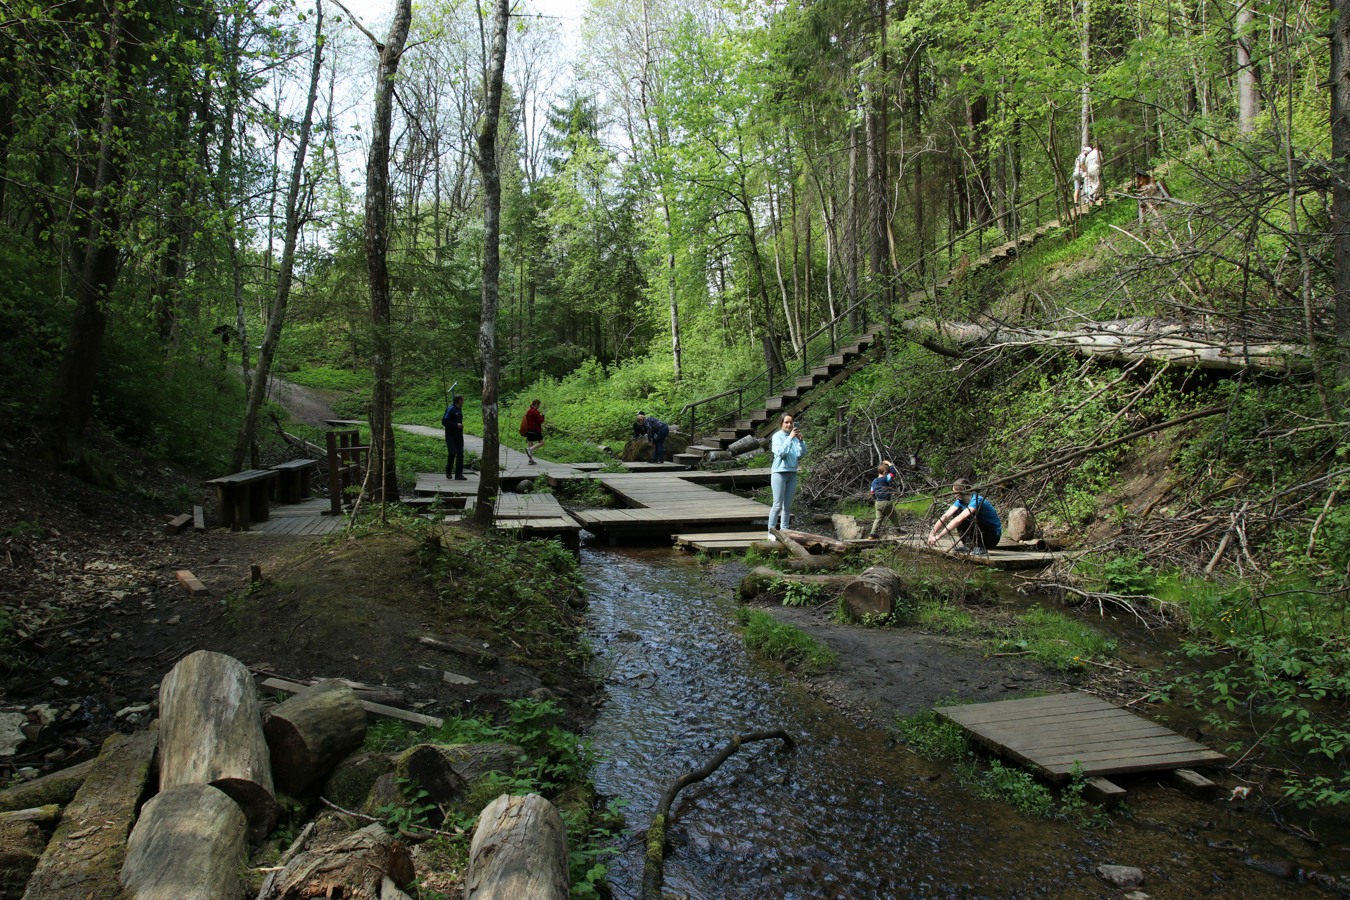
point(532, 429)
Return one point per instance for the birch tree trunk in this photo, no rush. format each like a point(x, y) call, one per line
point(490, 473)
point(294, 220)
point(385, 479)
point(1249, 101)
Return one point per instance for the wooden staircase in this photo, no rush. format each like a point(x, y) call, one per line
point(760, 421)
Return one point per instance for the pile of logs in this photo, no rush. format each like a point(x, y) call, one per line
point(219, 765)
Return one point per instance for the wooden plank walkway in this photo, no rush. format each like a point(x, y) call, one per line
point(304, 518)
point(1064, 733)
point(663, 504)
point(718, 542)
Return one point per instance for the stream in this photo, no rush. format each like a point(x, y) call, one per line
point(848, 812)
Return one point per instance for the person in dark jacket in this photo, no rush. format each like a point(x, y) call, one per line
point(881, 494)
point(453, 423)
point(655, 431)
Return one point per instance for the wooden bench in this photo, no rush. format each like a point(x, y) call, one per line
point(292, 484)
point(243, 497)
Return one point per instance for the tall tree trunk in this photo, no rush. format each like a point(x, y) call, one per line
point(72, 397)
point(1249, 101)
point(257, 387)
point(385, 479)
point(1085, 51)
point(1340, 191)
point(490, 474)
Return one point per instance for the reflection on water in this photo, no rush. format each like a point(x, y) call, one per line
point(844, 814)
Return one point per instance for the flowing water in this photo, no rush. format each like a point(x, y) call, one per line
point(847, 813)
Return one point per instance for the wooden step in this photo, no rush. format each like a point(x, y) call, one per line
point(805, 383)
point(692, 460)
point(702, 448)
point(775, 403)
point(836, 362)
point(820, 373)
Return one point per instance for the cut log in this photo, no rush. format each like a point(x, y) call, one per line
point(446, 771)
point(59, 787)
point(762, 579)
point(211, 733)
point(747, 444)
point(788, 541)
point(311, 732)
point(519, 850)
point(85, 854)
point(190, 843)
point(872, 593)
point(352, 865)
point(815, 561)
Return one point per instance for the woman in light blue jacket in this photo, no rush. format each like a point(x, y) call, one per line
point(788, 448)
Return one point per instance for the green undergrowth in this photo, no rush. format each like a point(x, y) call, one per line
point(939, 740)
point(1056, 640)
point(782, 642)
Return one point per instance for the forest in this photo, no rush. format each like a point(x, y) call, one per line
point(669, 205)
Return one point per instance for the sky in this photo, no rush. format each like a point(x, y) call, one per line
point(375, 14)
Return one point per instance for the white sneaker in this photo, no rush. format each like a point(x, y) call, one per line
point(771, 538)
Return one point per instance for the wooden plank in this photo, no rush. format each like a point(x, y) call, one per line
point(191, 582)
point(177, 523)
point(1126, 750)
point(1126, 766)
point(198, 519)
point(374, 709)
point(1099, 790)
point(1000, 710)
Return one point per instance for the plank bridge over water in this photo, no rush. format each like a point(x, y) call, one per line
point(1062, 734)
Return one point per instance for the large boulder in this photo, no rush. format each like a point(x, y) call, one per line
point(640, 450)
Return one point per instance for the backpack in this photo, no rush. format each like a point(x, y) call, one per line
point(445, 418)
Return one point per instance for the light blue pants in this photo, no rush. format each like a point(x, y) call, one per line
point(784, 489)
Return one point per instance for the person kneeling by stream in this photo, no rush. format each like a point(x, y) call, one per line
point(972, 519)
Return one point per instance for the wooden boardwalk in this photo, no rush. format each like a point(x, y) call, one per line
point(662, 504)
point(304, 518)
point(1064, 733)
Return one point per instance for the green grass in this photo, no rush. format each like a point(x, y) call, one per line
point(939, 615)
point(779, 641)
point(1056, 640)
point(329, 378)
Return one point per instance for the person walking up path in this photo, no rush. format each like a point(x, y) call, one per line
point(788, 448)
point(532, 429)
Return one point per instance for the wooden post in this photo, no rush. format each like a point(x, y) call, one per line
point(518, 850)
point(311, 732)
point(872, 593)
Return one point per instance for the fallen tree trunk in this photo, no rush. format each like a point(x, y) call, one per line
point(872, 593)
point(1119, 341)
point(818, 543)
point(59, 787)
point(814, 561)
point(312, 732)
point(85, 854)
point(354, 866)
point(211, 733)
point(190, 843)
point(518, 850)
point(653, 870)
point(762, 579)
point(745, 445)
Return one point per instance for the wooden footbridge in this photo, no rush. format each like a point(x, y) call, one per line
point(1066, 734)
